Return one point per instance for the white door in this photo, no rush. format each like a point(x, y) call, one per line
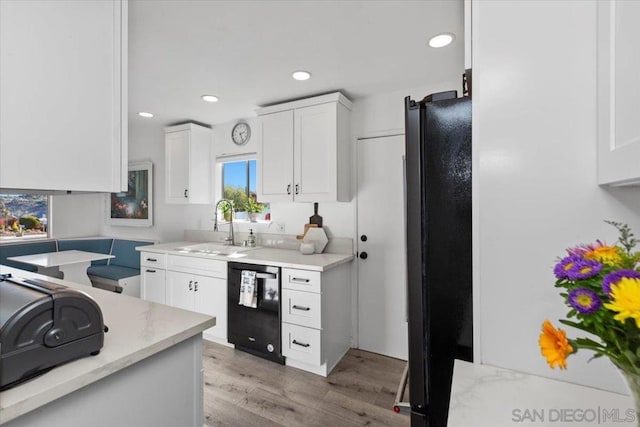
point(382, 326)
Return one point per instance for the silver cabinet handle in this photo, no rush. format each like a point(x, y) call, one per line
point(301, 308)
point(195, 286)
point(301, 344)
point(150, 271)
point(152, 259)
point(288, 188)
point(186, 193)
point(299, 280)
point(297, 189)
point(190, 285)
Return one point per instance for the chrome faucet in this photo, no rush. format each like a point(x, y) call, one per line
point(230, 239)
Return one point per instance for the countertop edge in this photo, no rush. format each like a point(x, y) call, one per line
point(339, 258)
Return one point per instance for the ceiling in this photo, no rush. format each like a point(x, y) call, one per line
point(245, 51)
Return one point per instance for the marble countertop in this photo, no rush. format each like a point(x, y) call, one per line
point(265, 256)
point(137, 330)
point(486, 396)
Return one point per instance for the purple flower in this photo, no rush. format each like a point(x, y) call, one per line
point(614, 277)
point(562, 268)
point(584, 269)
point(584, 300)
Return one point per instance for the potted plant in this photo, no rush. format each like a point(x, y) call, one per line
point(253, 208)
point(226, 210)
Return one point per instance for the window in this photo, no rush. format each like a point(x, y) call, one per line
point(23, 216)
point(239, 186)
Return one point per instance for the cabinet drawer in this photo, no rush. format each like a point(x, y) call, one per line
point(301, 280)
point(301, 343)
point(301, 308)
point(195, 265)
point(151, 259)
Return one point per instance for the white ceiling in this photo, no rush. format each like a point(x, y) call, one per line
point(245, 51)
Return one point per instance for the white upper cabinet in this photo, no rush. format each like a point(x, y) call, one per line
point(305, 151)
point(63, 109)
point(275, 165)
point(618, 93)
point(188, 164)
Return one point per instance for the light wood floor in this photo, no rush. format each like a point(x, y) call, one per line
point(243, 390)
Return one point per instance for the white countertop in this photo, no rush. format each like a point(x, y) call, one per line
point(137, 329)
point(486, 396)
point(264, 256)
point(55, 259)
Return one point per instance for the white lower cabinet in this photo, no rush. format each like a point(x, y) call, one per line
point(152, 272)
point(316, 317)
point(153, 285)
point(206, 295)
point(199, 285)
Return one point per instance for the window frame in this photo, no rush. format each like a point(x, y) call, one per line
point(219, 178)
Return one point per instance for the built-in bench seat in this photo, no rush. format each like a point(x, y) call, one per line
point(123, 271)
point(119, 274)
point(25, 248)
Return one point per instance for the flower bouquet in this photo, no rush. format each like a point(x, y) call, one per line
point(601, 286)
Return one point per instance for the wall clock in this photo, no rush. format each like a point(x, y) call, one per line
point(241, 133)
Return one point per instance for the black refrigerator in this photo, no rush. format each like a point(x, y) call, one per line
point(439, 268)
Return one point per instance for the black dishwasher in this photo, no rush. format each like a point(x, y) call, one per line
point(255, 330)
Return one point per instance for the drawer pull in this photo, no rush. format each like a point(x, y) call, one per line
point(299, 307)
point(301, 344)
point(150, 271)
point(299, 280)
point(152, 259)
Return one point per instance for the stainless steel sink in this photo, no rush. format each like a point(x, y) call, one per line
point(211, 248)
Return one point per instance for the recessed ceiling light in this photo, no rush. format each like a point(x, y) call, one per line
point(301, 75)
point(210, 98)
point(441, 40)
point(145, 114)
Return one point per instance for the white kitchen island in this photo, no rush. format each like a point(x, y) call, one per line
point(149, 372)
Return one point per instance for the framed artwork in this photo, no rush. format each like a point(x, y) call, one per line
point(133, 207)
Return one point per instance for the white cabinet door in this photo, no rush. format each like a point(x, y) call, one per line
point(618, 93)
point(180, 290)
point(275, 165)
point(315, 148)
point(153, 285)
point(211, 299)
point(188, 164)
point(177, 166)
point(63, 108)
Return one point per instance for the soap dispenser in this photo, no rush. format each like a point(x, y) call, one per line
point(251, 242)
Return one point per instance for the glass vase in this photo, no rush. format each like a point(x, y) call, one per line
point(633, 383)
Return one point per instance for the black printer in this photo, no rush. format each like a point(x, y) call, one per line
point(43, 325)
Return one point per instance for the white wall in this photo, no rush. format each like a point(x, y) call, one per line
point(535, 175)
point(76, 215)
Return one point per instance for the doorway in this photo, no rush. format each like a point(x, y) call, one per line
point(382, 325)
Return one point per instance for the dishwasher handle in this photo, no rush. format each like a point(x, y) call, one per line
point(266, 276)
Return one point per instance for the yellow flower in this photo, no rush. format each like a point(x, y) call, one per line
point(554, 345)
point(625, 299)
point(605, 254)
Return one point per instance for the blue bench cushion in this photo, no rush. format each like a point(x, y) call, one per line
point(125, 253)
point(19, 249)
point(101, 246)
point(112, 272)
